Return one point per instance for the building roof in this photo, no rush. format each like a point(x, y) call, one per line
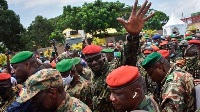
point(174, 20)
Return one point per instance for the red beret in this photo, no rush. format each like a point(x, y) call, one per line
point(164, 53)
point(91, 49)
point(155, 48)
point(53, 65)
point(122, 76)
point(110, 44)
point(194, 42)
point(187, 35)
point(163, 43)
point(4, 76)
point(147, 52)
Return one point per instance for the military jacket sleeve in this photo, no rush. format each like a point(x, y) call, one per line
point(130, 51)
point(178, 92)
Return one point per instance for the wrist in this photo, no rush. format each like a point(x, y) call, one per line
point(133, 37)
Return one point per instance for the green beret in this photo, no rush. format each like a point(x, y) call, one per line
point(118, 54)
point(20, 57)
point(151, 59)
point(180, 39)
point(198, 31)
point(64, 65)
point(188, 38)
point(174, 36)
point(76, 60)
point(107, 50)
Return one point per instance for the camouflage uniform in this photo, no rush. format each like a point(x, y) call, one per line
point(198, 110)
point(192, 66)
point(80, 89)
point(150, 85)
point(148, 104)
point(50, 78)
point(4, 104)
point(87, 74)
point(177, 92)
point(71, 104)
point(101, 92)
point(62, 56)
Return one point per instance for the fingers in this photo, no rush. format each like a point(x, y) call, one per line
point(149, 16)
point(134, 8)
point(146, 9)
point(142, 8)
point(122, 21)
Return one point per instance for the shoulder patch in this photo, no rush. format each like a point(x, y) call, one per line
point(170, 77)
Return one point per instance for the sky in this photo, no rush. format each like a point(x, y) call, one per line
point(29, 9)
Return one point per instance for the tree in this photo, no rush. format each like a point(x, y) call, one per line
point(39, 31)
point(58, 36)
point(157, 21)
point(10, 28)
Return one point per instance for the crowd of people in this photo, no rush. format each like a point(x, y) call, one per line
point(140, 74)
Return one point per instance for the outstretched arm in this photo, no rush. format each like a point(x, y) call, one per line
point(134, 26)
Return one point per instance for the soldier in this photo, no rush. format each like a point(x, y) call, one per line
point(197, 35)
point(156, 39)
point(109, 54)
point(7, 93)
point(73, 83)
point(84, 72)
point(168, 38)
point(62, 56)
point(192, 61)
point(24, 65)
point(128, 92)
point(171, 48)
point(165, 54)
point(101, 68)
point(45, 88)
point(177, 88)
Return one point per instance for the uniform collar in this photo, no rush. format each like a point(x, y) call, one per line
point(66, 104)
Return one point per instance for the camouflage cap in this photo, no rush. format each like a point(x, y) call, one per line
point(183, 42)
point(63, 56)
point(20, 57)
point(41, 80)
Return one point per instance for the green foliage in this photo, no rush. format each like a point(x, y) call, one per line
point(10, 28)
point(3, 5)
point(38, 33)
point(58, 36)
point(91, 17)
point(157, 21)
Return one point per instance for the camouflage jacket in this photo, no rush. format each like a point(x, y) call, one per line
point(87, 74)
point(71, 104)
point(5, 103)
point(148, 104)
point(177, 92)
point(100, 91)
point(80, 89)
point(193, 67)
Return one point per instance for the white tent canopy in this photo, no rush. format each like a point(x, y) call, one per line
point(174, 24)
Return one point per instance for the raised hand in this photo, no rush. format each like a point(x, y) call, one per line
point(136, 21)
